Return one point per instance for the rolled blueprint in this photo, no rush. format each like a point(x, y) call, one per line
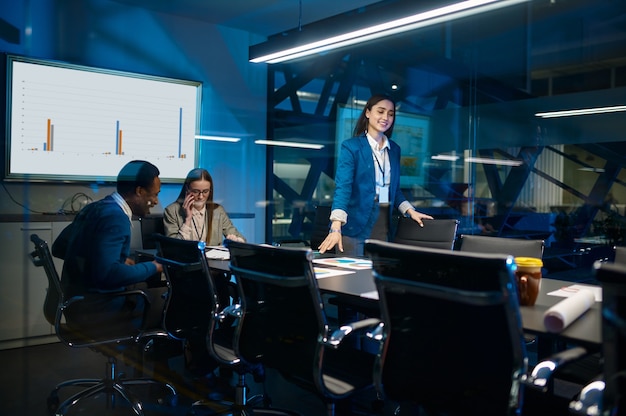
point(558, 317)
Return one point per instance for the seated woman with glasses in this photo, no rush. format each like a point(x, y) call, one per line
point(194, 215)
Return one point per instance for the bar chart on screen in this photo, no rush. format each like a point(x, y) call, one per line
point(77, 122)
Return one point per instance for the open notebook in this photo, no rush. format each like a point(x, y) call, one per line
point(217, 253)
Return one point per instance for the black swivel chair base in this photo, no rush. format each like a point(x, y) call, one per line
point(113, 384)
point(242, 405)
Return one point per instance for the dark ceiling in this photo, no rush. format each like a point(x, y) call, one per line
point(553, 39)
point(262, 17)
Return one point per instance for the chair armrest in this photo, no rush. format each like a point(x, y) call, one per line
point(542, 375)
point(370, 325)
point(231, 310)
point(112, 295)
point(589, 400)
point(150, 334)
point(177, 264)
point(85, 336)
point(106, 295)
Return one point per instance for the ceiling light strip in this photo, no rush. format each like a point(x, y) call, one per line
point(416, 21)
point(450, 158)
point(218, 138)
point(290, 144)
point(582, 112)
point(488, 161)
point(596, 170)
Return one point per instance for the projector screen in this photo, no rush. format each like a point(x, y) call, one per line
point(75, 123)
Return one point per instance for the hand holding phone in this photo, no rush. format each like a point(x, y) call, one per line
point(188, 201)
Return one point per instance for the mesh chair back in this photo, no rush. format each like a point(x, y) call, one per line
point(435, 305)
point(194, 306)
point(613, 280)
point(283, 323)
point(319, 231)
point(435, 233)
point(192, 297)
point(281, 315)
point(151, 225)
point(321, 223)
point(42, 257)
point(620, 255)
point(515, 247)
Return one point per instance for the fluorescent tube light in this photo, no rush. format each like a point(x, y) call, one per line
point(218, 138)
point(290, 144)
point(405, 24)
point(596, 170)
point(451, 158)
point(488, 161)
point(582, 112)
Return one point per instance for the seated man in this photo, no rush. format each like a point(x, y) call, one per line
point(96, 250)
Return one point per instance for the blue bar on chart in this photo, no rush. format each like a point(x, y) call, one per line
point(118, 139)
point(180, 134)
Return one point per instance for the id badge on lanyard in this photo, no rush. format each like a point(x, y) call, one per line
point(383, 194)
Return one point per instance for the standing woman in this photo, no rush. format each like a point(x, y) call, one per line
point(194, 215)
point(367, 182)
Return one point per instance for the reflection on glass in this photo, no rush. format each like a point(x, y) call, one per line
point(475, 149)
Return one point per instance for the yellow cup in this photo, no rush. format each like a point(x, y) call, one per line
point(528, 277)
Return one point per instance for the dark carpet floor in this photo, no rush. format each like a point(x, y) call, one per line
point(31, 373)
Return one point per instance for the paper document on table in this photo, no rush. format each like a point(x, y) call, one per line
point(345, 262)
point(217, 253)
point(322, 272)
point(567, 291)
point(370, 295)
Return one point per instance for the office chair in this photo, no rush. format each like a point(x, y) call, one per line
point(435, 233)
point(283, 324)
point(151, 225)
point(512, 246)
point(103, 339)
point(433, 302)
point(620, 255)
point(319, 231)
point(515, 247)
point(321, 224)
point(439, 233)
point(188, 308)
point(196, 306)
point(606, 395)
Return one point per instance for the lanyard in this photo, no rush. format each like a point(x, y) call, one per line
point(381, 167)
point(199, 233)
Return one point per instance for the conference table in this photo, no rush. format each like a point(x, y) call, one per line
point(357, 286)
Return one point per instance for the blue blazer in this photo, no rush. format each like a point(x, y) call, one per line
point(355, 186)
point(95, 247)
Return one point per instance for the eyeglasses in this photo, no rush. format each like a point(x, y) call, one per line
point(197, 192)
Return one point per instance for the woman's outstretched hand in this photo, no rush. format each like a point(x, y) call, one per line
point(418, 216)
point(332, 239)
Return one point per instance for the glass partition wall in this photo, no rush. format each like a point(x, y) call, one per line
point(481, 142)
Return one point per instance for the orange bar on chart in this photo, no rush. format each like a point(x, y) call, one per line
point(49, 136)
